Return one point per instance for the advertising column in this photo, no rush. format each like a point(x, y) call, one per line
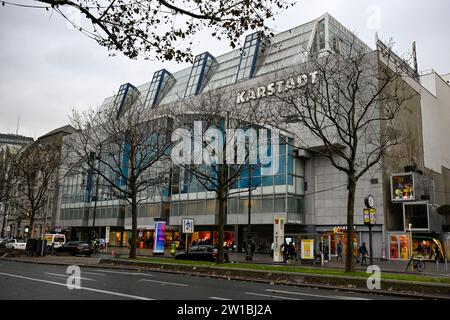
point(159, 238)
point(278, 239)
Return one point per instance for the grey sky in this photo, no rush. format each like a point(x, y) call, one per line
point(46, 68)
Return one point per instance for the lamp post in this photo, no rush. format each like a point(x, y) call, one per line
point(370, 220)
point(249, 254)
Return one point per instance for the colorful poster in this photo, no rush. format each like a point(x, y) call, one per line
point(307, 249)
point(159, 237)
point(278, 239)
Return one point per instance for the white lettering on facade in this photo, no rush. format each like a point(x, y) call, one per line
point(276, 87)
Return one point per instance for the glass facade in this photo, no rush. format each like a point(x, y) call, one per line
point(249, 57)
point(127, 95)
point(201, 68)
point(160, 84)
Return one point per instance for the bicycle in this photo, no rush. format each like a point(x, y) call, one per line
point(417, 263)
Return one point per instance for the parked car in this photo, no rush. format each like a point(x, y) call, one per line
point(76, 248)
point(201, 253)
point(16, 244)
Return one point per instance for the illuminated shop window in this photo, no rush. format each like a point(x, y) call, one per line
point(201, 68)
point(249, 57)
point(161, 83)
point(127, 95)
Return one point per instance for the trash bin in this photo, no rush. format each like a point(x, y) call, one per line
point(39, 250)
point(31, 247)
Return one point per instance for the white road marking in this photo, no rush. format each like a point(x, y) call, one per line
point(316, 295)
point(94, 273)
point(127, 273)
point(65, 276)
point(218, 298)
point(270, 296)
point(164, 282)
point(82, 288)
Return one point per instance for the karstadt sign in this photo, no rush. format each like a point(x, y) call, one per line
point(276, 87)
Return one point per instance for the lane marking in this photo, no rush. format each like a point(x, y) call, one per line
point(82, 288)
point(270, 296)
point(164, 282)
point(316, 295)
point(218, 298)
point(127, 273)
point(94, 273)
point(65, 276)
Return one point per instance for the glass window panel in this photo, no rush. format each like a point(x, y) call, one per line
point(267, 205)
point(280, 205)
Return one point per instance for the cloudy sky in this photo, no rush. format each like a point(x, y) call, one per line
point(47, 68)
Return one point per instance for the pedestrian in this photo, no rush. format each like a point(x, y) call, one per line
point(284, 251)
point(364, 254)
point(291, 252)
point(339, 251)
point(272, 247)
point(253, 246)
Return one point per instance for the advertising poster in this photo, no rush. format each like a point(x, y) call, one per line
point(278, 239)
point(307, 249)
point(160, 237)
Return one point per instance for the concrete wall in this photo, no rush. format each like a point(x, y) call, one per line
point(435, 121)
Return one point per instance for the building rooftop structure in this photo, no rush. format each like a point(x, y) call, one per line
point(258, 57)
point(14, 140)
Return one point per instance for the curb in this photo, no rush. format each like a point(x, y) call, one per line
point(197, 271)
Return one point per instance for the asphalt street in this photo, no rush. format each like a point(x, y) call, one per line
point(26, 281)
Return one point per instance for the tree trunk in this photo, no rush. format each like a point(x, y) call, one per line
point(132, 254)
point(132, 181)
point(222, 200)
point(32, 215)
point(350, 222)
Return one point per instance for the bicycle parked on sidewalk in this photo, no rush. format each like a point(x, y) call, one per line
point(417, 263)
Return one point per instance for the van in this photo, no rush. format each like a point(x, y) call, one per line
point(55, 240)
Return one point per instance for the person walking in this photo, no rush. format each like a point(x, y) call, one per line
point(339, 251)
point(284, 251)
point(364, 254)
point(272, 247)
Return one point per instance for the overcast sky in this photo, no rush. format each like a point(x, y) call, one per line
point(47, 68)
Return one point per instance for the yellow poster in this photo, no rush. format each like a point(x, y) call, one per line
point(307, 249)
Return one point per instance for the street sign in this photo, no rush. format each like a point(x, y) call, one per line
point(188, 225)
point(107, 234)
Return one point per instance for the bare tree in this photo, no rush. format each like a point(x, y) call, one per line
point(225, 147)
point(350, 109)
point(8, 158)
point(126, 147)
point(164, 29)
point(35, 170)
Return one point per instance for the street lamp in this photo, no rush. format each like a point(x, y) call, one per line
point(249, 254)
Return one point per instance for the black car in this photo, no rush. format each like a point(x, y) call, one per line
point(201, 253)
point(76, 248)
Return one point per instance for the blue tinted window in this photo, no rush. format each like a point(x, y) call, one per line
point(249, 57)
point(202, 65)
point(126, 92)
point(159, 84)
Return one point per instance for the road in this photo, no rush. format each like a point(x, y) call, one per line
point(26, 281)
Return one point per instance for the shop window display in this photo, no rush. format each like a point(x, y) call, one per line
point(403, 187)
point(399, 247)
